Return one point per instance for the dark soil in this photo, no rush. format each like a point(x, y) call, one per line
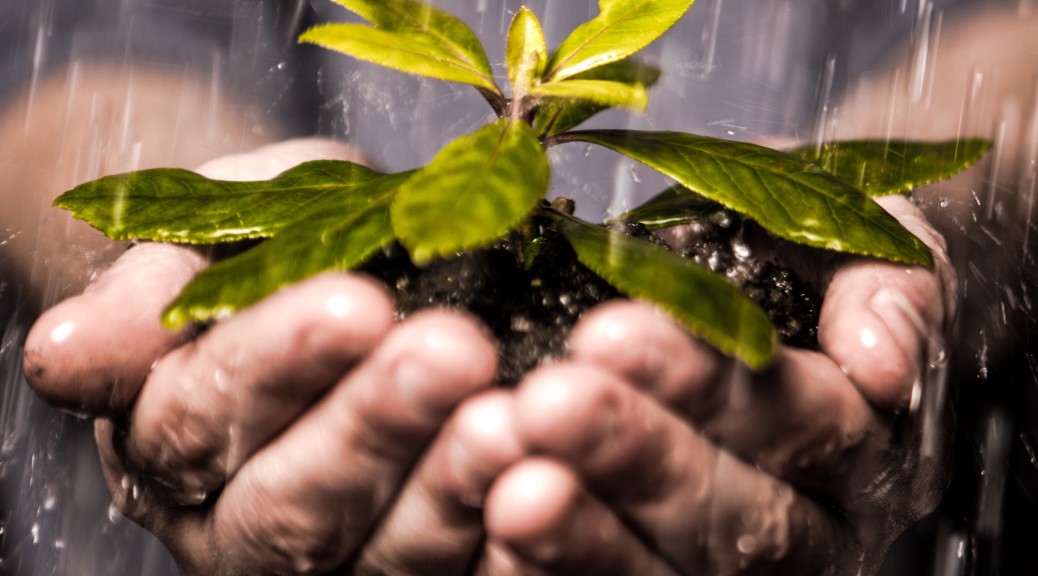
point(531, 311)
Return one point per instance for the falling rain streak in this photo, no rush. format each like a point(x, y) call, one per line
point(734, 68)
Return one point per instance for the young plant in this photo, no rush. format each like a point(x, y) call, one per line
point(490, 184)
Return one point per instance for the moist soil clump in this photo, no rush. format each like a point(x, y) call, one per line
point(530, 309)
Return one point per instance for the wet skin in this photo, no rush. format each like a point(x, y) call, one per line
point(312, 431)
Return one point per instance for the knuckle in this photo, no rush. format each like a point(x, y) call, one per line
point(181, 442)
point(759, 536)
point(299, 543)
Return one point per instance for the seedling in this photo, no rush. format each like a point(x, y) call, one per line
point(491, 184)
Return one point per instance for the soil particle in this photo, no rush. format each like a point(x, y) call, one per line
point(792, 304)
point(530, 309)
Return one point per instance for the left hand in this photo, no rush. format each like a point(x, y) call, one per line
point(650, 453)
point(303, 434)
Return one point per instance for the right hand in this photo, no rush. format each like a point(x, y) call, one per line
point(305, 433)
point(648, 452)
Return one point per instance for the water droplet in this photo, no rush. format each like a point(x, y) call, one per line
point(193, 496)
point(114, 515)
point(742, 251)
point(1029, 449)
point(339, 306)
point(939, 358)
point(62, 332)
point(746, 544)
point(303, 565)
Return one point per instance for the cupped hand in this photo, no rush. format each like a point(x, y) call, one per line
point(306, 433)
point(649, 453)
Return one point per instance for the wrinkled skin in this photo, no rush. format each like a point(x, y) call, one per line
point(311, 432)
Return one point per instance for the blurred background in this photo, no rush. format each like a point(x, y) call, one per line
point(92, 87)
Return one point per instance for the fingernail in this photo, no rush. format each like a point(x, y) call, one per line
point(907, 329)
point(905, 323)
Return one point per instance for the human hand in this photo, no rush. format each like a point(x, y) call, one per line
point(303, 434)
point(652, 454)
point(129, 118)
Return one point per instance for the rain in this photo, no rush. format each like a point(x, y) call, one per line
point(736, 69)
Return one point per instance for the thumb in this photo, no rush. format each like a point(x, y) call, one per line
point(883, 322)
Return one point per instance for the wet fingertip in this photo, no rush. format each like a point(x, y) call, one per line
point(487, 440)
point(642, 344)
point(559, 408)
point(530, 508)
point(63, 366)
point(618, 336)
point(346, 314)
point(901, 339)
point(609, 321)
point(436, 358)
point(37, 356)
point(459, 340)
point(871, 357)
point(92, 352)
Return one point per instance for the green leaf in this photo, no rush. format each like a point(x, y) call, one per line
point(889, 167)
point(477, 188)
point(557, 116)
point(410, 36)
point(172, 205)
point(622, 28)
point(598, 92)
point(332, 239)
point(707, 304)
point(788, 196)
point(675, 206)
point(526, 53)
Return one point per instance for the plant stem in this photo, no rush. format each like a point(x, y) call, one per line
point(498, 102)
point(557, 139)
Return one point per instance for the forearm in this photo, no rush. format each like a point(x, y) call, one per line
point(91, 120)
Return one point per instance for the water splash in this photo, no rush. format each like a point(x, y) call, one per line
point(708, 41)
point(995, 447)
point(924, 51)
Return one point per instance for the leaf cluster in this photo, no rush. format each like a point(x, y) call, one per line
point(492, 182)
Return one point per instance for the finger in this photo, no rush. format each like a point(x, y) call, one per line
point(641, 344)
point(435, 527)
point(801, 421)
point(144, 501)
point(883, 323)
point(207, 406)
point(540, 520)
point(810, 426)
point(91, 353)
point(306, 500)
point(703, 510)
point(270, 160)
